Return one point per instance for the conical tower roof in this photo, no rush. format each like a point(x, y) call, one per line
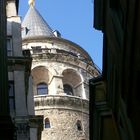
point(34, 25)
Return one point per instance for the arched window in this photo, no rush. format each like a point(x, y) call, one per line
point(47, 123)
point(79, 125)
point(68, 89)
point(42, 89)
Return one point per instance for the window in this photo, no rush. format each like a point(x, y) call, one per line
point(42, 89)
point(36, 49)
point(68, 89)
point(9, 47)
point(79, 125)
point(11, 95)
point(47, 123)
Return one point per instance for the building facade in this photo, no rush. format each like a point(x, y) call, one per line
point(5, 119)
point(117, 101)
point(21, 105)
point(60, 70)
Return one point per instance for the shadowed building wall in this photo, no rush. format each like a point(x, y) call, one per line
point(119, 21)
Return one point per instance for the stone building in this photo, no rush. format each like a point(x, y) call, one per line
point(61, 71)
point(19, 80)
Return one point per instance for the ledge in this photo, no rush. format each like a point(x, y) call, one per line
point(61, 102)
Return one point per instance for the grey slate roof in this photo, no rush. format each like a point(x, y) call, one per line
point(34, 25)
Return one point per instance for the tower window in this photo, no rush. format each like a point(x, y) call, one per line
point(42, 89)
point(47, 123)
point(79, 125)
point(68, 89)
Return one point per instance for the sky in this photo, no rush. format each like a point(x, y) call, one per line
point(74, 20)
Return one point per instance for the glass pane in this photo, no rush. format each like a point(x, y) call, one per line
point(42, 89)
point(47, 123)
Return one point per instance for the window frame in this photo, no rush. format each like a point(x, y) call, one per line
point(70, 87)
point(9, 46)
point(42, 88)
point(47, 123)
point(79, 125)
point(11, 96)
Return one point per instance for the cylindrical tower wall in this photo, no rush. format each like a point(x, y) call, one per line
point(61, 71)
point(67, 117)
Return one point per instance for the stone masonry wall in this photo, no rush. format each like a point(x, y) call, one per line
point(63, 125)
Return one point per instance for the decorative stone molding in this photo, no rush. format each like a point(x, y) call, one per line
point(61, 101)
point(66, 58)
point(58, 41)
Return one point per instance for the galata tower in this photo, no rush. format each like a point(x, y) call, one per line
point(60, 72)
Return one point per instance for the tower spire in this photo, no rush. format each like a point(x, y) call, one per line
point(31, 2)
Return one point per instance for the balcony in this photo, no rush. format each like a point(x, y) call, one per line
point(61, 102)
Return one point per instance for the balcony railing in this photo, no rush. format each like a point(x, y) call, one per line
point(62, 102)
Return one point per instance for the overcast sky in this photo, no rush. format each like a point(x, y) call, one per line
point(74, 20)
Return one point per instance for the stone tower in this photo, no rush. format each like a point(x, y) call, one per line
point(60, 70)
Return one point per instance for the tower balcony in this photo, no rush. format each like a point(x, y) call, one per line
point(61, 102)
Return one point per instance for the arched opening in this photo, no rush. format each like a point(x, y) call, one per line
point(72, 82)
point(41, 77)
point(68, 89)
point(79, 125)
point(42, 89)
point(47, 123)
